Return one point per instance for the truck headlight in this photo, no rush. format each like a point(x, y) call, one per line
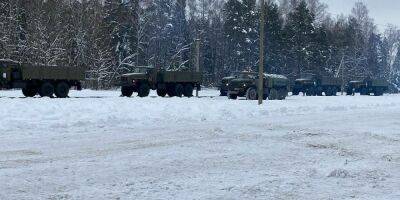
point(4, 75)
point(227, 84)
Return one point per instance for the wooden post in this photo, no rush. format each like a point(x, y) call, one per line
point(197, 62)
point(261, 63)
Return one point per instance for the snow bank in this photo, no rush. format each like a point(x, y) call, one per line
point(97, 145)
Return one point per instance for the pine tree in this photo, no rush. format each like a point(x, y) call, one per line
point(299, 35)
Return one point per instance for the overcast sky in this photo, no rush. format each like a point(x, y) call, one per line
point(383, 11)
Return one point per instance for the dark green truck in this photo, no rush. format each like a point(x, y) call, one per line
point(40, 79)
point(367, 86)
point(171, 83)
point(316, 85)
point(275, 87)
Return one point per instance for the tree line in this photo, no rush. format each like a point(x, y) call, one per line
point(111, 37)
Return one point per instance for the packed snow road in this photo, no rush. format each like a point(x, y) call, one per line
point(97, 145)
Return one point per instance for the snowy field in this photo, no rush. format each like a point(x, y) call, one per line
point(96, 145)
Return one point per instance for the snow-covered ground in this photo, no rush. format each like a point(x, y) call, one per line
point(96, 145)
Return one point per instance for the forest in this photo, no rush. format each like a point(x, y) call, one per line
point(111, 37)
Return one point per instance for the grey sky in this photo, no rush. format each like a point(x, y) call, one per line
point(383, 11)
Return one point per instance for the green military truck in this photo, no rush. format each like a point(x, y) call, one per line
point(275, 87)
point(367, 86)
point(224, 85)
point(315, 85)
point(171, 83)
point(40, 79)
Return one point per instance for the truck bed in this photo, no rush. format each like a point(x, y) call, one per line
point(52, 72)
point(181, 77)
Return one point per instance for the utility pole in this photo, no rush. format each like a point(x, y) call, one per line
point(261, 63)
point(197, 61)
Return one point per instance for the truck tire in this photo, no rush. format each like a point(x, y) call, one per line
point(188, 90)
point(319, 91)
point(282, 93)
point(364, 91)
point(232, 96)
point(378, 92)
point(328, 92)
point(126, 91)
point(46, 90)
point(179, 89)
point(273, 94)
point(62, 90)
point(334, 91)
point(251, 94)
point(161, 92)
point(295, 92)
point(29, 92)
point(144, 90)
point(310, 92)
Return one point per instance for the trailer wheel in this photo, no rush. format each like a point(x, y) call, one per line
point(144, 90)
point(46, 90)
point(188, 90)
point(126, 91)
point(179, 89)
point(251, 94)
point(29, 92)
point(62, 90)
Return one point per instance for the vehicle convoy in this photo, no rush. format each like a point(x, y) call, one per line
point(314, 85)
point(40, 79)
point(275, 87)
point(171, 83)
point(367, 86)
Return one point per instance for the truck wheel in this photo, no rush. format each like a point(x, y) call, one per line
point(126, 91)
point(319, 91)
point(334, 91)
point(188, 90)
point(62, 90)
point(144, 90)
point(29, 92)
point(282, 94)
point(310, 92)
point(222, 93)
point(179, 90)
point(364, 91)
point(378, 92)
point(273, 94)
point(328, 92)
point(295, 92)
point(232, 96)
point(46, 90)
point(251, 94)
point(161, 92)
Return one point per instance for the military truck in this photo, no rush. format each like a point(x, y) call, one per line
point(224, 85)
point(275, 87)
point(367, 86)
point(315, 85)
point(171, 83)
point(40, 79)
